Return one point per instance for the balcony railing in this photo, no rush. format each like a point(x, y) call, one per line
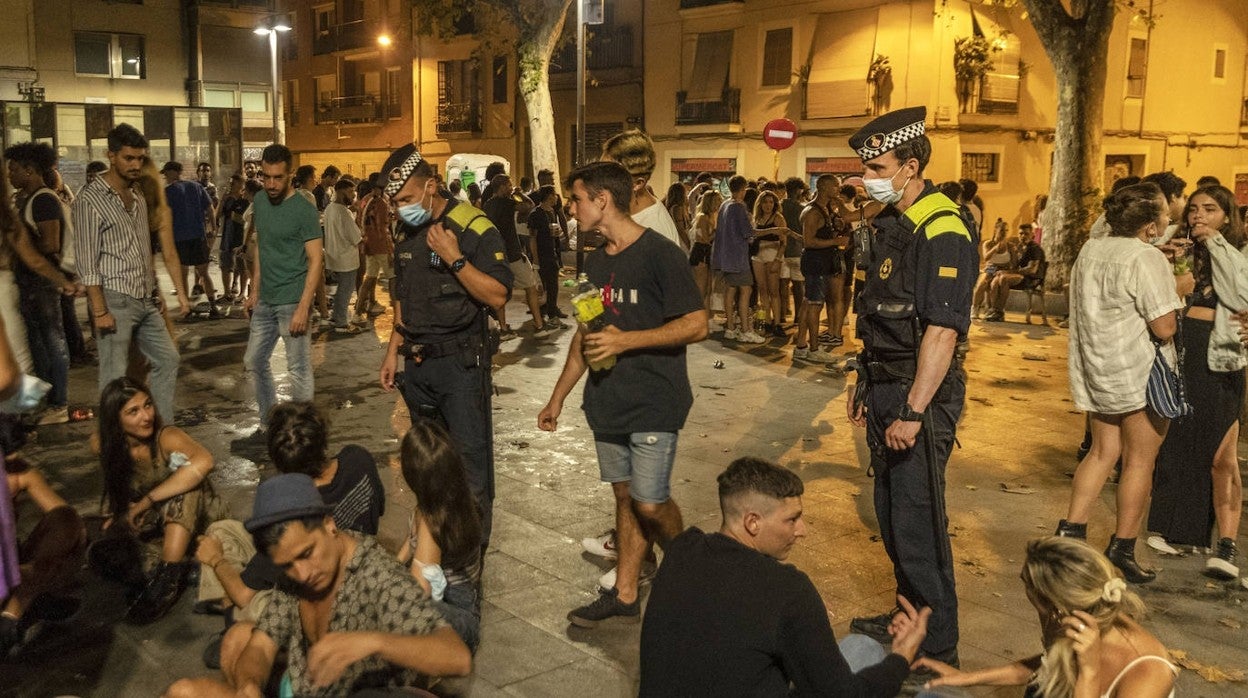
point(343, 37)
point(608, 47)
point(356, 109)
point(459, 117)
point(998, 94)
point(727, 110)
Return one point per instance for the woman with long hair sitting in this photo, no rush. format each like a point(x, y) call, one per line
point(443, 545)
point(1094, 645)
point(155, 485)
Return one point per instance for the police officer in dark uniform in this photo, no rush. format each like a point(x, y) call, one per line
point(449, 273)
point(913, 312)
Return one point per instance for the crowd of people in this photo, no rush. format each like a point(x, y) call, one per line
point(314, 605)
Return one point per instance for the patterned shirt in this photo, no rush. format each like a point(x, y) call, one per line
point(113, 245)
point(378, 595)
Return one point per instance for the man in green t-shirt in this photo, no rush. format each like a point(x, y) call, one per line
point(286, 267)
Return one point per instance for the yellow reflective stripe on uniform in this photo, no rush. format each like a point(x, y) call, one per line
point(480, 225)
point(946, 224)
point(464, 217)
point(928, 206)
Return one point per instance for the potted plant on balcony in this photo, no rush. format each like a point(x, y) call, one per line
point(972, 57)
point(880, 84)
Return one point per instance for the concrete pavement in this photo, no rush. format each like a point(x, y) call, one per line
point(1006, 484)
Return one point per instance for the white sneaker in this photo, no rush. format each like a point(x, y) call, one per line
point(543, 332)
point(732, 335)
point(54, 415)
point(1161, 545)
point(801, 353)
point(750, 338)
point(607, 580)
point(603, 546)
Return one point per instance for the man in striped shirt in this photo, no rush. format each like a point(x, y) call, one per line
point(114, 250)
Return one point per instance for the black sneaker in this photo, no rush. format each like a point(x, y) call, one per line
point(605, 607)
point(1222, 564)
point(164, 588)
point(875, 627)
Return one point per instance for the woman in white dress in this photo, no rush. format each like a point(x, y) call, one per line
point(1123, 298)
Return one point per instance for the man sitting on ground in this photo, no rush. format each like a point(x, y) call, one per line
point(727, 618)
point(350, 616)
point(1032, 266)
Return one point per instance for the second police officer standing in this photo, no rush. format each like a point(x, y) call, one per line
point(450, 271)
point(913, 312)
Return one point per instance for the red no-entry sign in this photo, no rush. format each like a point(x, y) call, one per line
point(779, 134)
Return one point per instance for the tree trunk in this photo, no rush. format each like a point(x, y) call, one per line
point(1078, 164)
point(1077, 43)
point(535, 90)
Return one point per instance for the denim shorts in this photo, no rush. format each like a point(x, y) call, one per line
point(643, 459)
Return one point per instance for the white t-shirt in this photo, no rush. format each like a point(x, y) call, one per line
point(656, 218)
point(342, 238)
point(1116, 287)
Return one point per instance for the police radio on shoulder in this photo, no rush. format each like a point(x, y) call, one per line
point(458, 265)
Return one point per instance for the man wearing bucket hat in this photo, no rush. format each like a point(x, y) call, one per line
point(913, 311)
point(450, 272)
point(350, 616)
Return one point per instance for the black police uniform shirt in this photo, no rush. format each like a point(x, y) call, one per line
point(434, 304)
point(644, 286)
point(930, 273)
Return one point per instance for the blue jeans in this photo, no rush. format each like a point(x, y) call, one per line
point(268, 322)
point(40, 303)
point(140, 319)
point(643, 459)
point(342, 297)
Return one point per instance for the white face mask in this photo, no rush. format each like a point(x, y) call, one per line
point(881, 189)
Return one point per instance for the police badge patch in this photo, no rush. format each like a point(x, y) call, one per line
point(886, 268)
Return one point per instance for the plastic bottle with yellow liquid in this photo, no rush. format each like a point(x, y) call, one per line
point(587, 304)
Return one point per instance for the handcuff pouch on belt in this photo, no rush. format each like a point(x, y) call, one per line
point(466, 344)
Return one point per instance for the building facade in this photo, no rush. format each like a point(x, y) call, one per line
point(1174, 99)
point(182, 71)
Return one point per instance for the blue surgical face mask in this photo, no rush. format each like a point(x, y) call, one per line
point(415, 214)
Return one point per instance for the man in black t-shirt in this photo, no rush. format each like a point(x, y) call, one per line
point(501, 209)
point(638, 396)
point(546, 232)
point(726, 617)
point(1032, 267)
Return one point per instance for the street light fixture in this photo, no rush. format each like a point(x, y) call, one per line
point(384, 41)
point(272, 32)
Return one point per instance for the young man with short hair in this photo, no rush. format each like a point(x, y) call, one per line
point(771, 628)
point(284, 277)
point(502, 209)
point(351, 617)
point(324, 190)
point(191, 208)
point(652, 311)
point(635, 151)
point(113, 246)
point(342, 253)
point(730, 257)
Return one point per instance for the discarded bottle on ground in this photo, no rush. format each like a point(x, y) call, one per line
point(587, 304)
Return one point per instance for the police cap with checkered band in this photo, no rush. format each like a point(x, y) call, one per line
point(399, 168)
point(888, 131)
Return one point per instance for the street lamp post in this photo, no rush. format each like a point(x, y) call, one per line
point(271, 32)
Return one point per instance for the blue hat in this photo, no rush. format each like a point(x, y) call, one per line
point(285, 498)
point(888, 131)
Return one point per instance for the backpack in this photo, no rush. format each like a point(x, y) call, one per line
point(66, 257)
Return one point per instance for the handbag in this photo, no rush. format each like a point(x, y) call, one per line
point(1165, 393)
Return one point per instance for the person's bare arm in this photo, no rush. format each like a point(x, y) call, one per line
point(935, 353)
point(812, 221)
point(50, 233)
point(612, 341)
point(173, 265)
point(33, 483)
point(315, 251)
point(573, 368)
point(481, 286)
point(1164, 327)
point(184, 479)
point(10, 372)
point(440, 653)
point(34, 259)
point(211, 553)
point(390, 364)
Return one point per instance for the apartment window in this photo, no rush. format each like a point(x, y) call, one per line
point(459, 97)
point(777, 57)
point(109, 55)
point(1137, 66)
point(352, 10)
point(707, 76)
point(1219, 63)
point(326, 90)
point(394, 93)
point(324, 19)
point(255, 102)
point(219, 98)
point(840, 58)
point(501, 83)
point(983, 168)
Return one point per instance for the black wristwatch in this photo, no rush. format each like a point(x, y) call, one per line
point(458, 265)
point(907, 414)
